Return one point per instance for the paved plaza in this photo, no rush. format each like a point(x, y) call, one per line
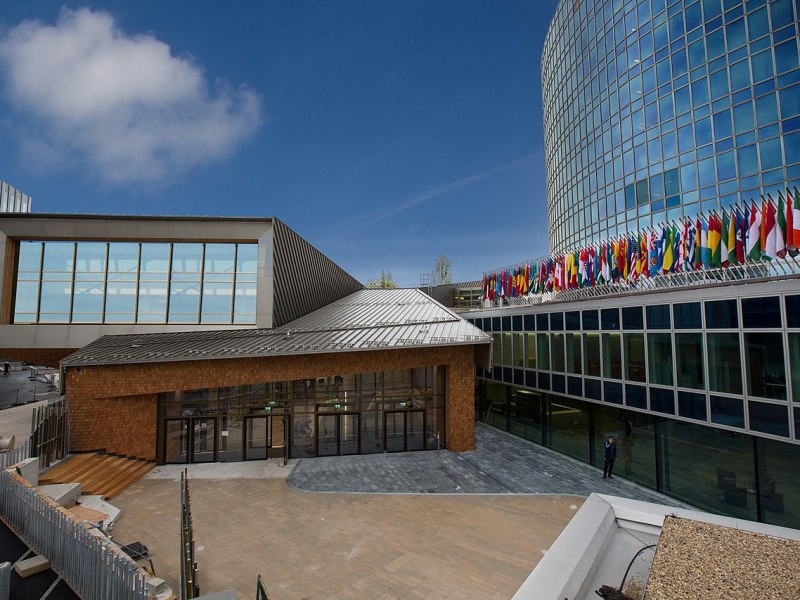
point(415, 525)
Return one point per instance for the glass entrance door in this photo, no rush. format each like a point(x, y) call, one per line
point(337, 434)
point(190, 440)
point(176, 440)
point(265, 437)
point(404, 430)
point(204, 439)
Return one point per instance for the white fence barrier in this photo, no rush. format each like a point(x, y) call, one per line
point(85, 558)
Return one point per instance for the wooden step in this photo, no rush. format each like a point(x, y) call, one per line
point(99, 474)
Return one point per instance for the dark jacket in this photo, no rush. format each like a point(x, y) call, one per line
point(611, 450)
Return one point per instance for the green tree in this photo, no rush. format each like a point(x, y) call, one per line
point(441, 270)
point(385, 281)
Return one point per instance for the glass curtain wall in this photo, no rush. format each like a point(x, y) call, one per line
point(401, 410)
point(129, 282)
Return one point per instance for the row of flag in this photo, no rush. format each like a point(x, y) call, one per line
point(736, 236)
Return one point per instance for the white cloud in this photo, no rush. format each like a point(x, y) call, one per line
point(121, 103)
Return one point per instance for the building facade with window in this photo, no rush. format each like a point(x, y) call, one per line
point(659, 109)
point(654, 111)
point(69, 279)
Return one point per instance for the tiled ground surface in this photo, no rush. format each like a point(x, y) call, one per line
point(363, 546)
point(501, 464)
point(459, 526)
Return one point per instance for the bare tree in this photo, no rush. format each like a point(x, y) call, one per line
point(441, 270)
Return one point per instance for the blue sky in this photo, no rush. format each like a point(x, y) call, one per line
point(384, 133)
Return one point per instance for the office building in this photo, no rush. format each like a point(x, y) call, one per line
point(656, 112)
point(13, 200)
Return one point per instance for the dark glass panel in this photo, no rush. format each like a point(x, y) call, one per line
point(542, 322)
point(610, 319)
point(759, 313)
point(692, 406)
point(569, 428)
point(768, 418)
point(659, 358)
point(516, 323)
point(559, 385)
point(636, 396)
point(529, 323)
point(793, 311)
point(779, 482)
point(727, 411)
point(593, 389)
point(612, 392)
point(658, 316)
point(506, 323)
point(573, 320)
point(724, 363)
point(590, 320)
point(634, 357)
point(722, 314)
point(766, 375)
point(556, 321)
point(632, 317)
point(662, 400)
point(687, 315)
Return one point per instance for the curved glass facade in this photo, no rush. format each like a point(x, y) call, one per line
point(659, 109)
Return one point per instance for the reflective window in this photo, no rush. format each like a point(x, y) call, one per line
point(659, 357)
point(612, 356)
point(794, 365)
point(573, 342)
point(691, 405)
point(687, 315)
point(129, 282)
point(632, 317)
point(766, 375)
point(543, 351)
point(658, 316)
point(505, 339)
point(722, 314)
point(530, 350)
point(591, 354)
point(727, 411)
point(662, 400)
point(689, 355)
point(761, 312)
point(724, 363)
point(519, 353)
point(634, 357)
point(769, 418)
point(610, 318)
point(557, 352)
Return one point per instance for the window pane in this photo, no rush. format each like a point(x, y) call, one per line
point(58, 257)
point(245, 303)
point(761, 312)
point(634, 357)
point(519, 354)
point(658, 316)
point(766, 375)
point(530, 347)
point(689, 353)
point(722, 314)
point(246, 258)
point(573, 341)
point(692, 406)
point(591, 353)
point(612, 356)
point(632, 317)
point(557, 351)
point(724, 363)
point(219, 258)
point(768, 418)
point(794, 366)
point(659, 346)
point(727, 411)
point(155, 258)
point(187, 258)
point(543, 351)
point(687, 316)
point(610, 318)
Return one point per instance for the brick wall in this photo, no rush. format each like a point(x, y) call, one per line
point(115, 407)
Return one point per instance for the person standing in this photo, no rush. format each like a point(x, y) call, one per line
point(611, 456)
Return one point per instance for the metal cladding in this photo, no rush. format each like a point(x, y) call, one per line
point(304, 278)
point(364, 320)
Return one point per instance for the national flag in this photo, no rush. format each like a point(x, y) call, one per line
point(795, 245)
point(551, 275)
point(723, 240)
point(729, 234)
point(741, 235)
point(698, 244)
point(677, 246)
point(605, 274)
point(631, 258)
point(768, 230)
point(705, 249)
point(583, 267)
point(652, 254)
point(714, 239)
point(668, 260)
point(780, 228)
point(485, 288)
point(790, 224)
point(622, 258)
point(594, 264)
point(753, 243)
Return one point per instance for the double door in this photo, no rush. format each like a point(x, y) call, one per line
point(404, 430)
point(190, 440)
point(337, 434)
point(196, 439)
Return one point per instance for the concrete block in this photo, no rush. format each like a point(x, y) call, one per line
point(29, 469)
point(66, 494)
point(31, 566)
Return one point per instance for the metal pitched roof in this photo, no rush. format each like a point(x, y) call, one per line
point(364, 320)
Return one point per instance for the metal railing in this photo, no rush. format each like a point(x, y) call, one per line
point(189, 586)
point(49, 433)
point(93, 567)
point(27, 395)
point(261, 591)
point(17, 454)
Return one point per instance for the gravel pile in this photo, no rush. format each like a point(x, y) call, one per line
point(702, 561)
